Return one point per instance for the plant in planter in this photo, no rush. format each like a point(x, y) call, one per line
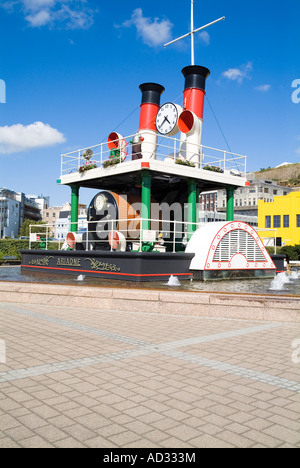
point(114, 158)
point(213, 169)
point(87, 166)
point(184, 162)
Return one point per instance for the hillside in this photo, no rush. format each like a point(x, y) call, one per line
point(288, 176)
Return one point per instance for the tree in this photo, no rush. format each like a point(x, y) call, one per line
point(24, 229)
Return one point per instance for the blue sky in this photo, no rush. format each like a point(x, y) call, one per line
point(72, 71)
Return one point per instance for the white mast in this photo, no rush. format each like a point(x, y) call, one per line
point(192, 32)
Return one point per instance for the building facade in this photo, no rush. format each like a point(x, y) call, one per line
point(43, 202)
point(10, 211)
point(283, 215)
point(212, 204)
point(63, 221)
point(50, 215)
point(246, 198)
point(15, 207)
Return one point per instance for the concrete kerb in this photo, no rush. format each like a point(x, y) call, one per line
point(208, 304)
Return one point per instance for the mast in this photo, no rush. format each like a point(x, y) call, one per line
point(193, 32)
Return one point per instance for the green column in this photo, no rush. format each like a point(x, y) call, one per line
point(146, 199)
point(192, 204)
point(230, 204)
point(197, 204)
point(74, 207)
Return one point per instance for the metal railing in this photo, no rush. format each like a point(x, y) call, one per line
point(270, 241)
point(161, 235)
point(167, 149)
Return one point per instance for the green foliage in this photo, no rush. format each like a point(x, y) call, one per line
point(12, 247)
point(184, 162)
point(24, 229)
point(213, 169)
point(111, 162)
point(292, 251)
point(87, 167)
point(295, 182)
point(264, 169)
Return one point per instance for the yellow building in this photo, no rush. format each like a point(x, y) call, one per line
point(283, 214)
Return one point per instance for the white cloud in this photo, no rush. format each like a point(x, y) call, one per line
point(239, 74)
point(39, 19)
point(205, 37)
point(153, 33)
point(71, 14)
point(263, 88)
point(38, 4)
point(18, 137)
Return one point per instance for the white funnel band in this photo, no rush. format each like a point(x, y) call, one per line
point(149, 143)
point(191, 128)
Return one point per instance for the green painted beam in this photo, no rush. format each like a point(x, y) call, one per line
point(74, 207)
point(146, 200)
point(192, 206)
point(230, 204)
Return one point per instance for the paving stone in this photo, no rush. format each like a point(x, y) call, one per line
point(35, 442)
point(208, 441)
point(283, 433)
point(134, 378)
point(7, 442)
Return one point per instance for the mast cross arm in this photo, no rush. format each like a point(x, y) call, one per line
point(195, 31)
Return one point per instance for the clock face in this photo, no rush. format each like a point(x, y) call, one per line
point(100, 202)
point(167, 118)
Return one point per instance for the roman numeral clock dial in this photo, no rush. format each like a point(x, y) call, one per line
point(167, 119)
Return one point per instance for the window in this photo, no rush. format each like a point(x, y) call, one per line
point(286, 221)
point(277, 221)
point(268, 221)
point(298, 220)
point(275, 192)
point(266, 190)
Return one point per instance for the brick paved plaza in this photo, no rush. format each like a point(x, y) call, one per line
point(79, 377)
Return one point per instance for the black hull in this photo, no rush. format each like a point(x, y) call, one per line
point(126, 266)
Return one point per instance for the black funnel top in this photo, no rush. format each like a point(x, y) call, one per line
point(195, 76)
point(151, 93)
